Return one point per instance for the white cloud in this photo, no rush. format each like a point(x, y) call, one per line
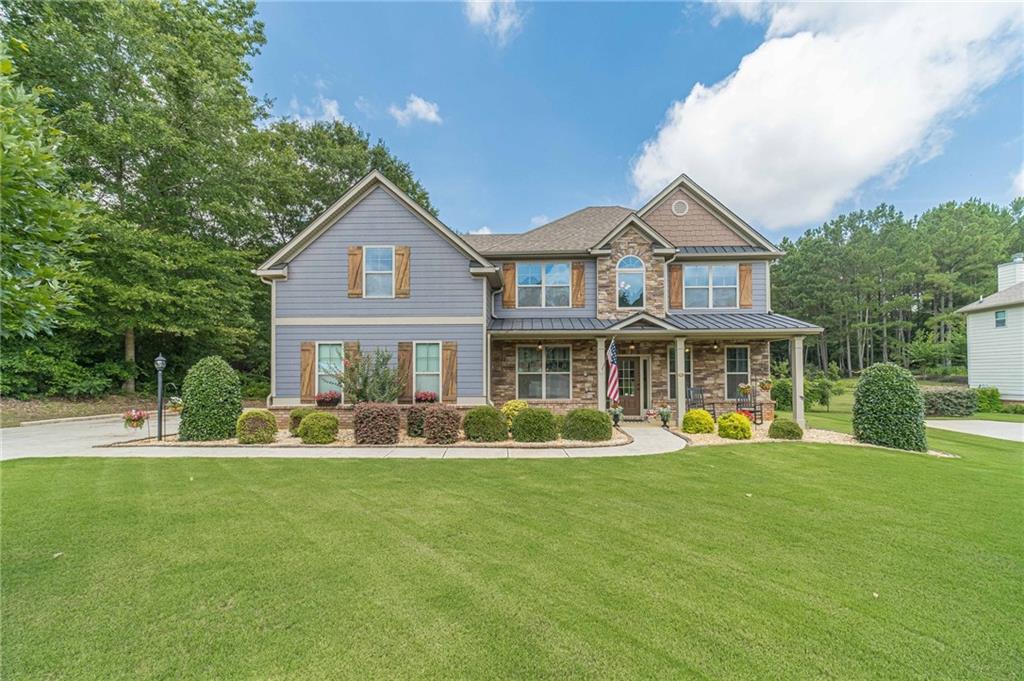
point(365, 106)
point(483, 230)
point(836, 95)
point(1018, 183)
point(538, 220)
point(322, 108)
point(501, 20)
point(416, 109)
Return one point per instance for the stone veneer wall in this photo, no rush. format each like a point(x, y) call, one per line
point(630, 242)
point(584, 373)
point(708, 367)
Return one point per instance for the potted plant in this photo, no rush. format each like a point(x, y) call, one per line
point(650, 414)
point(426, 396)
point(744, 389)
point(135, 418)
point(766, 385)
point(665, 414)
point(175, 404)
point(615, 411)
point(330, 398)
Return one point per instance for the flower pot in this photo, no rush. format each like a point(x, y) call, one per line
point(328, 403)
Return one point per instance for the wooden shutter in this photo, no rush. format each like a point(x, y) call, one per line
point(405, 370)
point(746, 285)
point(402, 254)
point(352, 351)
point(508, 280)
point(307, 371)
point(355, 271)
point(579, 290)
point(450, 369)
point(675, 286)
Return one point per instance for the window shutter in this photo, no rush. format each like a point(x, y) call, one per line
point(355, 271)
point(307, 371)
point(746, 285)
point(402, 254)
point(682, 286)
point(450, 367)
point(675, 286)
point(405, 370)
point(508, 280)
point(579, 291)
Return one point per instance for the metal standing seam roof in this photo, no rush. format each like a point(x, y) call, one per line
point(717, 250)
point(704, 321)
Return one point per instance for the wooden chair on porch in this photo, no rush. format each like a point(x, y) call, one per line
point(695, 400)
point(749, 403)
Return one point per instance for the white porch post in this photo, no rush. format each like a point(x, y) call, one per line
point(798, 380)
point(680, 380)
point(602, 383)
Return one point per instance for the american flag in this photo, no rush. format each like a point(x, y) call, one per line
point(613, 372)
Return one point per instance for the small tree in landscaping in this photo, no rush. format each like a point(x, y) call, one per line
point(371, 378)
point(888, 409)
point(212, 398)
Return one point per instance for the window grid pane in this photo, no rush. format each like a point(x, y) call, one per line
point(696, 297)
point(696, 275)
point(544, 373)
point(528, 274)
point(631, 289)
point(428, 358)
point(556, 296)
point(379, 260)
point(379, 285)
point(724, 275)
point(724, 297)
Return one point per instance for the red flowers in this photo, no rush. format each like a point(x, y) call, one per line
point(426, 396)
point(330, 398)
point(134, 418)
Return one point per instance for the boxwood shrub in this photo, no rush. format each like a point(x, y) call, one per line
point(888, 409)
point(587, 424)
point(511, 408)
point(295, 417)
point(785, 429)
point(212, 398)
point(534, 425)
point(698, 421)
point(256, 427)
point(734, 426)
point(949, 402)
point(560, 424)
point(782, 393)
point(442, 424)
point(485, 424)
point(319, 428)
point(414, 416)
point(376, 423)
point(988, 399)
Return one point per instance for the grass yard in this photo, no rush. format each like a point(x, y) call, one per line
point(746, 561)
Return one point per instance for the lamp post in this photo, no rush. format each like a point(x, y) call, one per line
point(160, 363)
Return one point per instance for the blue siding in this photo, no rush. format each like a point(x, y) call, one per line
point(440, 282)
point(468, 336)
point(757, 271)
point(588, 310)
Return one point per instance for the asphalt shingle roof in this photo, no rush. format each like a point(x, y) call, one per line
point(574, 233)
point(1011, 295)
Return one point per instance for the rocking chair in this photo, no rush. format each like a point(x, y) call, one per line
point(749, 403)
point(695, 400)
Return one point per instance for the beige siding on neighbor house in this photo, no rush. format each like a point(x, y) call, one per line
point(697, 228)
point(995, 356)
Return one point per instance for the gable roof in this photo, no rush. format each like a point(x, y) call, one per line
point(574, 233)
point(1011, 295)
point(348, 200)
point(634, 220)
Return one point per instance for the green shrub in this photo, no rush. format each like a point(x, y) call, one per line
point(698, 421)
point(1013, 408)
point(534, 425)
point(734, 426)
point(888, 409)
point(442, 424)
point(949, 402)
point(371, 378)
point(256, 427)
point(587, 424)
point(485, 424)
point(511, 408)
point(560, 424)
point(295, 417)
point(319, 428)
point(376, 424)
point(782, 393)
point(785, 429)
point(212, 395)
point(818, 390)
point(988, 399)
point(414, 416)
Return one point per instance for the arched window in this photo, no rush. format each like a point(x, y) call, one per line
point(629, 282)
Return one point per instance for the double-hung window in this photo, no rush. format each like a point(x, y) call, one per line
point(543, 373)
point(330, 361)
point(1000, 319)
point(672, 371)
point(710, 286)
point(379, 271)
point(427, 367)
point(737, 370)
point(542, 284)
point(629, 282)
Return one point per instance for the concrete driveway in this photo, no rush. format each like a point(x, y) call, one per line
point(997, 429)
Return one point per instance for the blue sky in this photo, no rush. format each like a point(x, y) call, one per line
point(512, 113)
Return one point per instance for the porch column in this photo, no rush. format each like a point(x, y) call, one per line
point(798, 380)
point(602, 382)
point(680, 380)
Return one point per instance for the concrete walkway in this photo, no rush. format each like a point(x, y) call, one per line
point(85, 438)
point(997, 429)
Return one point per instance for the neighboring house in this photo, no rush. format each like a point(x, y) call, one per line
point(488, 318)
point(995, 334)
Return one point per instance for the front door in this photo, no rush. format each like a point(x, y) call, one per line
point(629, 385)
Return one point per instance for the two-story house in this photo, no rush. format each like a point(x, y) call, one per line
point(682, 285)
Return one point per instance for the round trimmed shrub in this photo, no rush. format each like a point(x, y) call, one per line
point(511, 408)
point(734, 426)
point(560, 424)
point(698, 421)
point(212, 398)
point(888, 409)
point(295, 417)
point(319, 428)
point(587, 424)
point(785, 429)
point(376, 423)
point(782, 393)
point(485, 424)
point(414, 416)
point(442, 424)
point(534, 425)
point(256, 427)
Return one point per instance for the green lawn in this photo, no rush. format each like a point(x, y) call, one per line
point(748, 561)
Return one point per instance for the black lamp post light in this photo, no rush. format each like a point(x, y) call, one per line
point(160, 363)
